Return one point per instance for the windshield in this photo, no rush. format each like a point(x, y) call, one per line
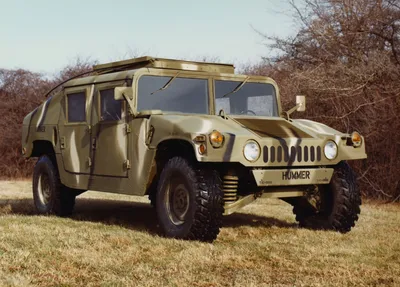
point(256, 99)
point(173, 94)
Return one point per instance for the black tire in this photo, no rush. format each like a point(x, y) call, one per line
point(152, 192)
point(49, 195)
point(340, 203)
point(189, 201)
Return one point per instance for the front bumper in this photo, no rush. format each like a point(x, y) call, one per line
point(293, 176)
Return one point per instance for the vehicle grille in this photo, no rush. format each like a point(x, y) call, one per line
point(292, 154)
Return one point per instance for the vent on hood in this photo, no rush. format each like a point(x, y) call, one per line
point(274, 128)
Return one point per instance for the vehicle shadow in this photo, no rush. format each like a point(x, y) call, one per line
point(253, 220)
point(131, 215)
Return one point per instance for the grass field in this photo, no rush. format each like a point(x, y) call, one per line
point(114, 241)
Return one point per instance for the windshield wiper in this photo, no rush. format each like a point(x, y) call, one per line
point(167, 84)
point(238, 87)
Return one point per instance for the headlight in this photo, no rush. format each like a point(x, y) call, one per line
point(330, 150)
point(251, 151)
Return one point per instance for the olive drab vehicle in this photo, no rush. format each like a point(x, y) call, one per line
point(198, 139)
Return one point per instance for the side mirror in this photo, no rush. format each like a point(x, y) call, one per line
point(301, 103)
point(121, 93)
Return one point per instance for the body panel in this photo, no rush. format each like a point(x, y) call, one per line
point(120, 156)
point(293, 176)
point(285, 138)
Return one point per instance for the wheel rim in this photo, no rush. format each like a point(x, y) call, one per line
point(177, 199)
point(44, 188)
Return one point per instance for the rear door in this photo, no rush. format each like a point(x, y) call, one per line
point(110, 133)
point(74, 130)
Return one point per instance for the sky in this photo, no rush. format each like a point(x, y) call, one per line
point(46, 35)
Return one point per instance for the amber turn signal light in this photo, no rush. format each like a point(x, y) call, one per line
point(202, 149)
point(216, 139)
point(356, 139)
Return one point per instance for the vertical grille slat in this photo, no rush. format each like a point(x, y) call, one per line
point(292, 154)
point(272, 153)
point(284, 153)
point(265, 154)
point(299, 154)
point(305, 153)
point(312, 154)
point(279, 154)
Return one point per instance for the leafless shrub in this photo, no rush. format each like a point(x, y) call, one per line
point(346, 58)
point(21, 91)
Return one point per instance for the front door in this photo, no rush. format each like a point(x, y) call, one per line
point(110, 134)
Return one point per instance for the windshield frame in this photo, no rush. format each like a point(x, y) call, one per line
point(210, 77)
point(250, 79)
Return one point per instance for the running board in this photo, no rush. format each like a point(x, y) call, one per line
point(245, 200)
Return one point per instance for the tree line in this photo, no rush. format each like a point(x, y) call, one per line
point(345, 56)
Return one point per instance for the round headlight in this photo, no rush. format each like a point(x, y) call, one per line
point(330, 150)
point(251, 151)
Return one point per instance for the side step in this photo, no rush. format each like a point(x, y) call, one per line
point(231, 207)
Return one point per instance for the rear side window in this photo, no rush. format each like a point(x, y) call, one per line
point(110, 109)
point(76, 107)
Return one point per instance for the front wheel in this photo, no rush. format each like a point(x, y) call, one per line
point(49, 195)
point(337, 204)
point(189, 201)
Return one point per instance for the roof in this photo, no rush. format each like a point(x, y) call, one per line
point(150, 62)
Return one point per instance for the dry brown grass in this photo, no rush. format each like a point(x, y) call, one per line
point(113, 241)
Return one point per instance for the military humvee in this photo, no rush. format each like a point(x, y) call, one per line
point(196, 138)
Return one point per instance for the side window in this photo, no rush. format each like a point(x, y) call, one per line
point(110, 109)
point(76, 107)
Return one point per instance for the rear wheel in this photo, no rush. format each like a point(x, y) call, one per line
point(336, 206)
point(189, 201)
point(49, 195)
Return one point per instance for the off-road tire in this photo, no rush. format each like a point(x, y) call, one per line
point(61, 199)
point(341, 203)
point(203, 218)
point(152, 192)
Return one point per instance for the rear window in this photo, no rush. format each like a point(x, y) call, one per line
point(76, 107)
point(184, 95)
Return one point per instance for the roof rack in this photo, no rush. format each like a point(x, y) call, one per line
point(150, 62)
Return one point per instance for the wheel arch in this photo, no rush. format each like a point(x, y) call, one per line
point(41, 147)
point(44, 147)
point(175, 147)
point(166, 150)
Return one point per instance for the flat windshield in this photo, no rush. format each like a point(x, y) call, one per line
point(171, 94)
point(257, 99)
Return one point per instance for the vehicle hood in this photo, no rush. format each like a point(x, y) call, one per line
point(248, 126)
point(282, 142)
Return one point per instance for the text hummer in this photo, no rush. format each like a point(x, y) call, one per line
point(198, 139)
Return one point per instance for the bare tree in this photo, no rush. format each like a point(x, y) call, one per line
point(345, 57)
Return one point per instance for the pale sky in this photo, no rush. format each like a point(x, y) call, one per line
point(46, 35)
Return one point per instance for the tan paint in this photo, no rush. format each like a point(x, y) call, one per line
point(118, 157)
point(293, 176)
